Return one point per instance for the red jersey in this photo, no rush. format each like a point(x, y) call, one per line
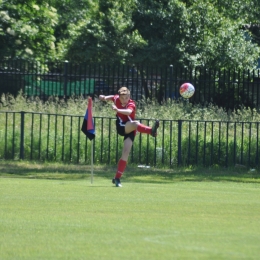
point(129, 105)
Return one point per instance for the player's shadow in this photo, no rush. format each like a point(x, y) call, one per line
point(132, 174)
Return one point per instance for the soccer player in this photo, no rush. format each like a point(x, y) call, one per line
point(126, 126)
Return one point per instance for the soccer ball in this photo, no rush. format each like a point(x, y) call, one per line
point(187, 90)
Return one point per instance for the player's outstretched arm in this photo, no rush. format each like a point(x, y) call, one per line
point(105, 98)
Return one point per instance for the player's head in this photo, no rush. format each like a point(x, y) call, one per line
point(124, 91)
point(124, 95)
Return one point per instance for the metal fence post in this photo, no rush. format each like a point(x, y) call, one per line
point(179, 142)
point(65, 78)
point(22, 136)
point(171, 95)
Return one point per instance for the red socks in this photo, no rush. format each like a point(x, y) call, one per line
point(120, 169)
point(144, 129)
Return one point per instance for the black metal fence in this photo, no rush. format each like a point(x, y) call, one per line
point(226, 88)
point(53, 137)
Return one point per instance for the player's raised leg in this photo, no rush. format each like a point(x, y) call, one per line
point(141, 128)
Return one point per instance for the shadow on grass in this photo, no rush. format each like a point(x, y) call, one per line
point(29, 169)
point(196, 174)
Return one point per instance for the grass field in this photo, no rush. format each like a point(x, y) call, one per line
point(54, 212)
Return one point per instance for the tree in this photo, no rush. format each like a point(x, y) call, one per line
point(162, 24)
point(27, 29)
point(211, 33)
point(199, 33)
point(214, 39)
point(105, 35)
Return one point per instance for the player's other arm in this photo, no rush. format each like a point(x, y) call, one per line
point(126, 111)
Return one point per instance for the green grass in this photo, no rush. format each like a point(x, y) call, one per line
point(52, 211)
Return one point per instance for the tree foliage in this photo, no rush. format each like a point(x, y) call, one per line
point(106, 35)
point(213, 39)
point(27, 29)
point(197, 33)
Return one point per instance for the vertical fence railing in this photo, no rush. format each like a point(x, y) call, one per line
point(65, 76)
point(54, 137)
point(179, 142)
point(22, 136)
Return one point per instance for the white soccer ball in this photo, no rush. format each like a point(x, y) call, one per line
point(187, 90)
